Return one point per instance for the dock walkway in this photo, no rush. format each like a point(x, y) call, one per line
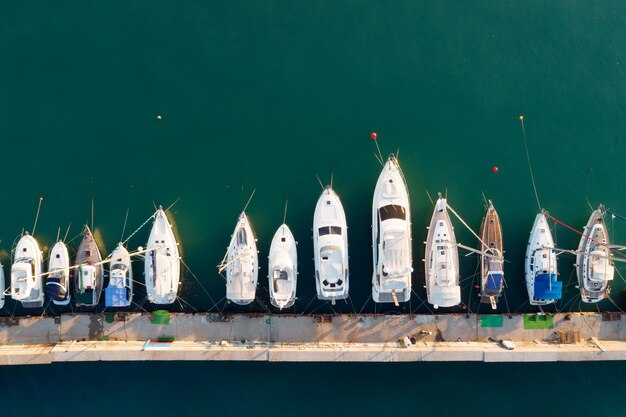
point(373, 338)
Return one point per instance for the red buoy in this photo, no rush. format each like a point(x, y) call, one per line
point(495, 169)
point(373, 136)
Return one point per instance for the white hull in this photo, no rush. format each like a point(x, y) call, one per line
point(59, 274)
point(120, 285)
point(391, 236)
point(330, 246)
point(540, 261)
point(162, 264)
point(26, 278)
point(242, 264)
point(594, 267)
point(283, 268)
point(442, 260)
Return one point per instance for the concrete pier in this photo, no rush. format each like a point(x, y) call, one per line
point(369, 338)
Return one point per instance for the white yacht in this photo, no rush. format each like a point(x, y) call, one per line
point(241, 264)
point(391, 236)
point(26, 273)
point(540, 268)
point(283, 268)
point(594, 266)
point(58, 278)
point(442, 260)
point(330, 246)
point(89, 276)
point(119, 292)
point(162, 261)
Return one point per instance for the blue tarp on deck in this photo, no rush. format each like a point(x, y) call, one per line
point(494, 282)
point(115, 297)
point(547, 287)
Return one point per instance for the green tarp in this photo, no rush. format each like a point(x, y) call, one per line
point(491, 321)
point(160, 317)
point(536, 321)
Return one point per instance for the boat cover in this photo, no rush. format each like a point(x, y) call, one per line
point(547, 287)
point(115, 296)
point(494, 282)
point(54, 289)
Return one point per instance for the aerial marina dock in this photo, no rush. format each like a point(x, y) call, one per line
point(309, 338)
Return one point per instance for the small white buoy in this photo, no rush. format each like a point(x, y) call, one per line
point(159, 117)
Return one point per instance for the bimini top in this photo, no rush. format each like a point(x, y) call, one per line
point(494, 281)
point(115, 294)
point(547, 287)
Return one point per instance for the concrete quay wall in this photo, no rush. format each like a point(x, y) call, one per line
point(296, 338)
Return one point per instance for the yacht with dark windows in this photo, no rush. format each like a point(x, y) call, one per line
point(391, 236)
point(330, 246)
point(162, 261)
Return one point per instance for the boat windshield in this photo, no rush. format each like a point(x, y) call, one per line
point(392, 211)
point(329, 230)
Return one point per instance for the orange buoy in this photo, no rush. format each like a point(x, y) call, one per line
point(373, 135)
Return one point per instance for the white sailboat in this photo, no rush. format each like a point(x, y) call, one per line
point(26, 273)
point(442, 259)
point(58, 277)
point(594, 266)
point(283, 268)
point(241, 264)
point(540, 265)
point(330, 245)
point(391, 236)
point(119, 292)
point(162, 264)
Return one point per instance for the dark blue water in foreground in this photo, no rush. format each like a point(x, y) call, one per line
point(266, 94)
point(353, 389)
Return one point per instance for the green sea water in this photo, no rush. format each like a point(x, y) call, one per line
point(265, 95)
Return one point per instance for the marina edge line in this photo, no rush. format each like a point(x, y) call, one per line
point(391, 282)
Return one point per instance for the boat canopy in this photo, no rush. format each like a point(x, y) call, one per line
point(602, 270)
point(55, 290)
point(494, 281)
point(392, 211)
point(396, 251)
point(116, 292)
point(547, 287)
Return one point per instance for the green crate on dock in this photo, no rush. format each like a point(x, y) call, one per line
point(538, 321)
point(491, 321)
point(160, 317)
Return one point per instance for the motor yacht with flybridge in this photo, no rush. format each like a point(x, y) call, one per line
point(540, 270)
point(26, 273)
point(391, 236)
point(241, 263)
point(162, 261)
point(330, 246)
point(442, 259)
point(594, 264)
point(283, 268)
